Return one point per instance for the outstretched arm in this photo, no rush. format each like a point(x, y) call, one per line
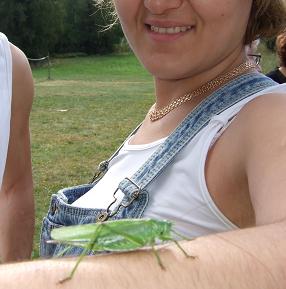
point(243, 259)
point(16, 195)
point(253, 258)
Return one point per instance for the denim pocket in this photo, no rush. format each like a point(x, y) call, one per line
point(47, 249)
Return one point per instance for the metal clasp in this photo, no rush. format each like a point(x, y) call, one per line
point(105, 215)
point(101, 169)
point(134, 196)
point(54, 209)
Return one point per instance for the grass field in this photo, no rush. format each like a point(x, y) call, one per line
point(81, 116)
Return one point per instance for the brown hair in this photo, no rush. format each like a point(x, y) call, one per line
point(267, 19)
point(281, 48)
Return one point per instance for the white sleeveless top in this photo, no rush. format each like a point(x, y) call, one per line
point(180, 193)
point(5, 100)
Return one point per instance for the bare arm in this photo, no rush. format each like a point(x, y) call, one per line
point(252, 258)
point(244, 259)
point(16, 195)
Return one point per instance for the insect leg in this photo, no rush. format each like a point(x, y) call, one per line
point(135, 240)
point(183, 250)
point(82, 255)
point(62, 252)
point(129, 237)
point(155, 252)
point(182, 236)
point(69, 277)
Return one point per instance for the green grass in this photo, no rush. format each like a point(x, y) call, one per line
point(269, 60)
point(81, 116)
point(100, 68)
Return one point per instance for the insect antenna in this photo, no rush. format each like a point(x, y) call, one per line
point(52, 242)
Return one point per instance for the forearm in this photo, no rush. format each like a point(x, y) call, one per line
point(16, 225)
point(246, 259)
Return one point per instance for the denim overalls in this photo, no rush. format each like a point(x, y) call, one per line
point(135, 189)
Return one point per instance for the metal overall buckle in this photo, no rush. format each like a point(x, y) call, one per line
point(105, 215)
point(102, 167)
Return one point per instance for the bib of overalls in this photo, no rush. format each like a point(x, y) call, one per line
point(135, 189)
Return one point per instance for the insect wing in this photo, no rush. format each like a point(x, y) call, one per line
point(131, 234)
point(79, 234)
point(108, 236)
point(119, 235)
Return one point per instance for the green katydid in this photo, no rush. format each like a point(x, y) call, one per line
point(118, 235)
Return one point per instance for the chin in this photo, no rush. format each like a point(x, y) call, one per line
point(167, 73)
point(171, 68)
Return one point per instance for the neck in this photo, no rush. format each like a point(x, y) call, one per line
point(283, 70)
point(169, 89)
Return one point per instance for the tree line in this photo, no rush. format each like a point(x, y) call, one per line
point(40, 27)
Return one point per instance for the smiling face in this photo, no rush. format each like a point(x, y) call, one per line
point(176, 39)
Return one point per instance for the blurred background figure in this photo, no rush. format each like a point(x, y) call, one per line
point(252, 54)
point(279, 74)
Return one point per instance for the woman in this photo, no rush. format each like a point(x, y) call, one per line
point(16, 194)
point(172, 40)
point(225, 175)
point(279, 74)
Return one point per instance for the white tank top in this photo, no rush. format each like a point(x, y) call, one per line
point(180, 193)
point(5, 100)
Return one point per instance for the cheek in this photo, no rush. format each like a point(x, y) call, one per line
point(127, 11)
point(223, 12)
point(227, 24)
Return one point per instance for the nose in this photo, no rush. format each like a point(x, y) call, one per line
point(162, 6)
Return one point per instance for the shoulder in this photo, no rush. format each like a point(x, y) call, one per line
point(267, 103)
point(260, 126)
point(265, 111)
point(19, 59)
point(264, 137)
point(22, 81)
point(262, 123)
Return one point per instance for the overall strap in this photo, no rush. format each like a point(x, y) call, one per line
point(103, 166)
point(225, 97)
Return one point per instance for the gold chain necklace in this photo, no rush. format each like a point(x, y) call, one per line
point(155, 114)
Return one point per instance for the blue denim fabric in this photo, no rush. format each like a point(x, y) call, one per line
point(61, 213)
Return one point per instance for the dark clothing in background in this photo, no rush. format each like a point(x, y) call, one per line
point(277, 76)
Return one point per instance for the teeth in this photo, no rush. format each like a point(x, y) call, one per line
point(170, 30)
